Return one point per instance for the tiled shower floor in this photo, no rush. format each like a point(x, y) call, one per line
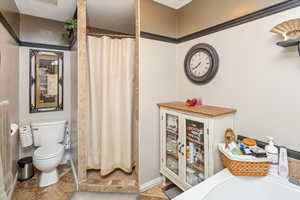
point(118, 181)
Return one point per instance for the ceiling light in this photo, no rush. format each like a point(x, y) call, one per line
point(176, 4)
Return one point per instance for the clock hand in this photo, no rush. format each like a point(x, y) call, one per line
point(197, 65)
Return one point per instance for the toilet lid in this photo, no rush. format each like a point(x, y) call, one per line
point(48, 151)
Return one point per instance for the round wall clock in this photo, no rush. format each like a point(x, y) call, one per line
point(201, 63)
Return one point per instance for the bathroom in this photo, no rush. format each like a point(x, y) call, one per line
point(253, 86)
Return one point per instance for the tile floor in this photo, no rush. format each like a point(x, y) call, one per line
point(155, 193)
point(29, 190)
point(64, 189)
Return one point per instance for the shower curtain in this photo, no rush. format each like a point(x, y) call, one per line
point(111, 70)
point(5, 150)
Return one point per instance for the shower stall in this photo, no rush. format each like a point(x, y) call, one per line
point(105, 148)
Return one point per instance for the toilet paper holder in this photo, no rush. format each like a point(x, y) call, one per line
point(13, 129)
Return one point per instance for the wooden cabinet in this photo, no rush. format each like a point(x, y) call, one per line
point(189, 138)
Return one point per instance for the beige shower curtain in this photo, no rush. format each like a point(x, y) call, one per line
point(5, 150)
point(111, 67)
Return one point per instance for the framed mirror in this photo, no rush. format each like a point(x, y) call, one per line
point(46, 81)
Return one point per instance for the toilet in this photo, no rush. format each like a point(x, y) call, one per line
point(49, 154)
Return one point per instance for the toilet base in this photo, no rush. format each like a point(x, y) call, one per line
point(48, 178)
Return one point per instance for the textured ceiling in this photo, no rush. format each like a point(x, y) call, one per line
point(114, 15)
point(60, 10)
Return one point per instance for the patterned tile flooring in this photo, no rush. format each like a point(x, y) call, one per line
point(29, 190)
point(155, 193)
point(63, 190)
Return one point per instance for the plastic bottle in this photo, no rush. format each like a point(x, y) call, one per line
point(67, 141)
point(272, 154)
point(283, 163)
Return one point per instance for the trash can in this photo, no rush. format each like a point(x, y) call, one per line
point(26, 170)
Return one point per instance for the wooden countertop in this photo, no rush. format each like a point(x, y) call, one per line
point(210, 111)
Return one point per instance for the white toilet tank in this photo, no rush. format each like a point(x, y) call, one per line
point(48, 133)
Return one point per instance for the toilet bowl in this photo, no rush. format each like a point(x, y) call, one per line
point(47, 137)
point(46, 158)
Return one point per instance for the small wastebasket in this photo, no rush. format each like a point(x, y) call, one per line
point(26, 170)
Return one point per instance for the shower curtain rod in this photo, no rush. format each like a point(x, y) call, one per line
point(110, 35)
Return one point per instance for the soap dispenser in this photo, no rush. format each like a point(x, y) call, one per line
point(272, 154)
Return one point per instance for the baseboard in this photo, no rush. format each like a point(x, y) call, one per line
point(74, 174)
point(150, 184)
point(12, 187)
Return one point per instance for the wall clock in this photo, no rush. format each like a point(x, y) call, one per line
point(201, 63)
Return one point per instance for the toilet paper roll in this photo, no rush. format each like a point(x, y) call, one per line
point(13, 129)
point(26, 139)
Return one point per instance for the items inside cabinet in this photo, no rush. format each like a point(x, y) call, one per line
point(194, 152)
point(172, 161)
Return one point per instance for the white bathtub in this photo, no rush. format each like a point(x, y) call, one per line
point(224, 186)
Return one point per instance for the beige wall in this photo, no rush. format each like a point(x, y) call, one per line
point(157, 80)
point(39, 30)
point(9, 10)
point(74, 106)
point(257, 77)
point(201, 14)
point(157, 19)
point(25, 117)
point(9, 82)
point(195, 16)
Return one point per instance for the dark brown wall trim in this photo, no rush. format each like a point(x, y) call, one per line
point(235, 22)
point(9, 28)
point(158, 37)
point(44, 46)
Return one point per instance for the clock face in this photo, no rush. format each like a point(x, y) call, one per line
point(201, 63)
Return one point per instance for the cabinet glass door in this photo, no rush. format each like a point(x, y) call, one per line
point(172, 133)
point(195, 151)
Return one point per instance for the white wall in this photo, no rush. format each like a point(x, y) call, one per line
point(257, 77)
point(25, 117)
point(157, 84)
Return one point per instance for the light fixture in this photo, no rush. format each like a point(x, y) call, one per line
point(176, 4)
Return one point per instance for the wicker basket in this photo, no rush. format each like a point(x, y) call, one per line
point(242, 168)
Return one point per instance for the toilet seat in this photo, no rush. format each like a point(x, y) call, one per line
point(48, 151)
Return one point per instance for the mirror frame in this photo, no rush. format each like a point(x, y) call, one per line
point(35, 56)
